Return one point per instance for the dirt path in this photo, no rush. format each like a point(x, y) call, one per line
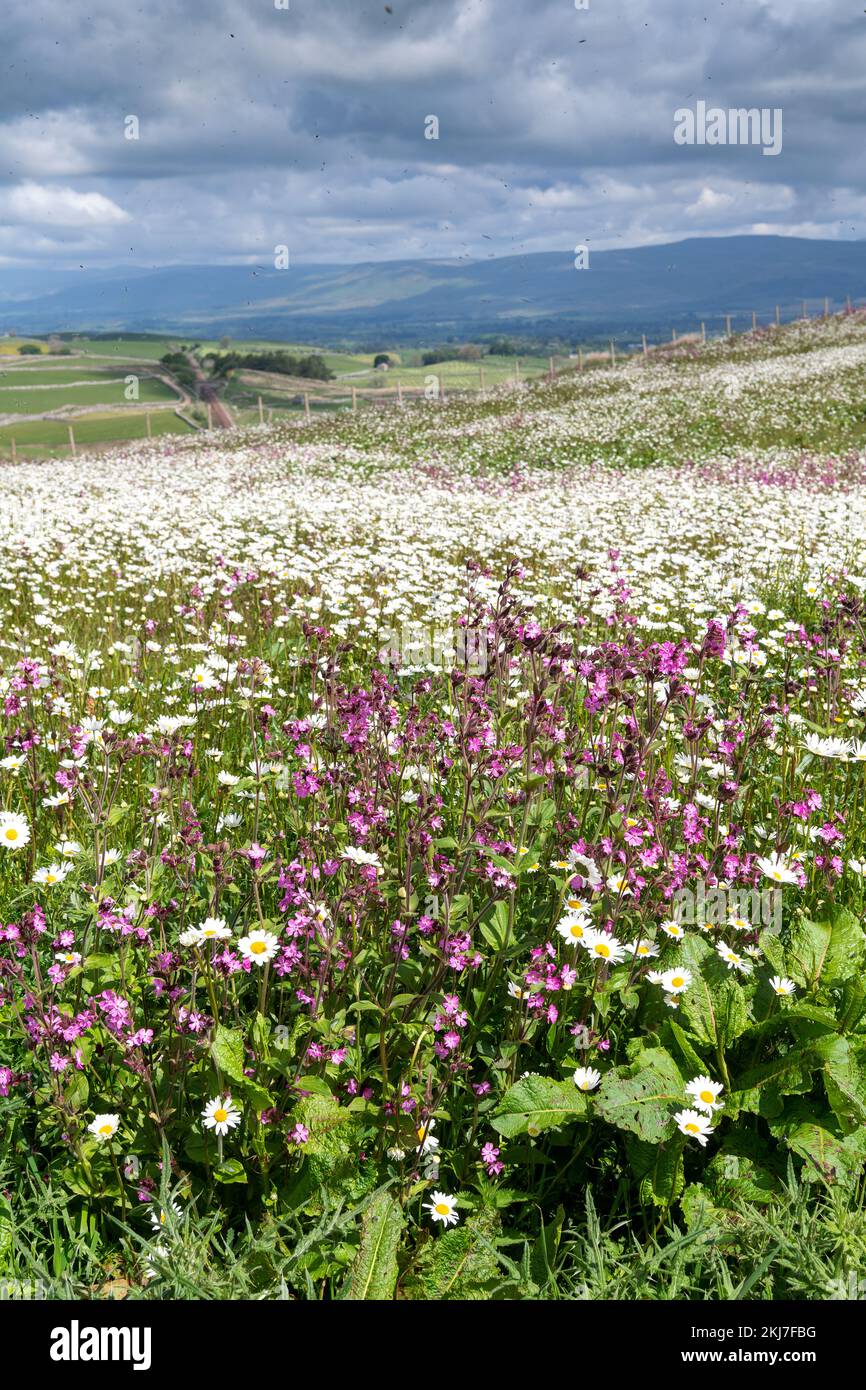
point(220, 413)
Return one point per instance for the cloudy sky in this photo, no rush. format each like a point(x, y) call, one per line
point(304, 126)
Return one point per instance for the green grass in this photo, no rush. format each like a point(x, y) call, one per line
point(807, 1247)
point(21, 401)
point(36, 438)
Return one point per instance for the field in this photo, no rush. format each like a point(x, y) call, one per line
point(432, 846)
point(103, 399)
point(93, 372)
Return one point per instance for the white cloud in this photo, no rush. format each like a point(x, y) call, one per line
point(46, 205)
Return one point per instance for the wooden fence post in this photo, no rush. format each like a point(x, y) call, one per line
point(703, 332)
point(481, 377)
point(754, 320)
point(778, 316)
point(399, 392)
point(354, 398)
point(14, 452)
point(306, 405)
point(148, 425)
point(72, 440)
point(580, 359)
point(826, 308)
point(261, 411)
point(727, 325)
point(552, 371)
point(612, 354)
point(209, 416)
point(645, 349)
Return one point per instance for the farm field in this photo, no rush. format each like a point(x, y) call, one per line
point(432, 847)
point(41, 396)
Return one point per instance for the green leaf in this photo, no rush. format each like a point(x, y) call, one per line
point(460, 1264)
point(844, 1080)
point(845, 954)
point(639, 1097)
point(227, 1050)
point(658, 1168)
point(373, 1276)
point(536, 1103)
point(229, 1171)
point(695, 1064)
point(807, 951)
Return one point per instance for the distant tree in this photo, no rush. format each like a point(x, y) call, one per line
point(381, 360)
point(29, 350)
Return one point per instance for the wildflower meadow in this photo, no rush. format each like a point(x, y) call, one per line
point(431, 849)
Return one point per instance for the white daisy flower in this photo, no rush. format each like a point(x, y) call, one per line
point(586, 1078)
point(695, 1125)
point(704, 1093)
point(221, 1115)
point(259, 947)
point(443, 1207)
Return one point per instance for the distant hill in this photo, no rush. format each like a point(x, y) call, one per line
point(647, 288)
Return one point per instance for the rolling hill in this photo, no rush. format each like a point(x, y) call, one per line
point(623, 291)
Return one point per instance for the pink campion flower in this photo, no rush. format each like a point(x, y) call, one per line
point(299, 1135)
point(58, 1062)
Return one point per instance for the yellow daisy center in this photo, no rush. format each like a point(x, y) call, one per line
point(442, 1208)
point(692, 1128)
point(257, 947)
point(707, 1097)
point(602, 950)
point(576, 931)
point(677, 981)
point(11, 833)
point(220, 1115)
point(105, 1129)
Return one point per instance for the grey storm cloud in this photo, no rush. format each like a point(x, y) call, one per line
point(304, 125)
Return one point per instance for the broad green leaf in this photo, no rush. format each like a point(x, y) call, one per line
point(373, 1276)
point(459, 1264)
point(844, 1079)
point(658, 1168)
point(640, 1098)
point(807, 951)
point(227, 1050)
point(230, 1171)
point(536, 1103)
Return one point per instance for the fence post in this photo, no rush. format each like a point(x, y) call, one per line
point(643, 340)
point(552, 372)
point(354, 398)
point(209, 416)
point(261, 411)
point(306, 405)
point(727, 325)
point(72, 440)
point(517, 369)
point(148, 425)
point(826, 308)
point(14, 452)
point(580, 359)
point(399, 392)
point(754, 320)
point(778, 316)
point(805, 310)
point(481, 377)
point(703, 332)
